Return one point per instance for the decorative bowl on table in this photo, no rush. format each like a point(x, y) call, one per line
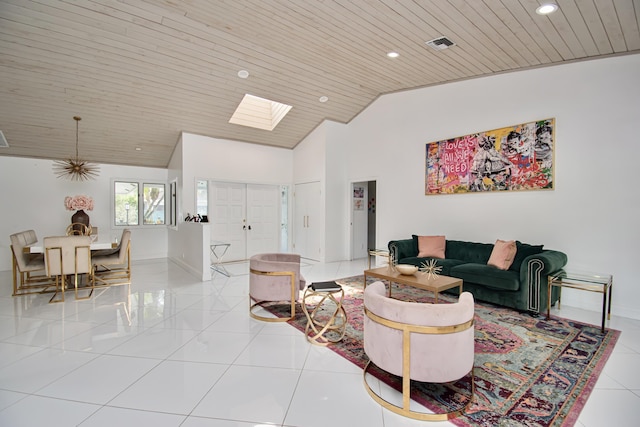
point(406, 269)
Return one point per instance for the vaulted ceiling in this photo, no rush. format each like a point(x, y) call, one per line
point(139, 72)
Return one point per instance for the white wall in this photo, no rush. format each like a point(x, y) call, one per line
point(174, 173)
point(231, 161)
point(591, 214)
point(192, 240)
point(33, 198)
point(203, 158)
point(337, 242)
point(309, 156)
point(175, 240)
point(320, 158)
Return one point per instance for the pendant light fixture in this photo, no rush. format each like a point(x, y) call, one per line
point(76, 169)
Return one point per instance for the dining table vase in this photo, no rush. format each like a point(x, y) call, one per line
point(79, 217)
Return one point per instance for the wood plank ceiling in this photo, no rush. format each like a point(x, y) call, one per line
point(139, 72)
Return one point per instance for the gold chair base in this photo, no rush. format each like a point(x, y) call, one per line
point(60, 284)
point(35, 285)
point(290, 275)
point(316, 328)
point(113, 277)
point(88, 287)
point(406, 410)
point(63, 284)
point(25, 283)
point(270, 319)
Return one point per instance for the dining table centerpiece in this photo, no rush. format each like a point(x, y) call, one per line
point(79, 203)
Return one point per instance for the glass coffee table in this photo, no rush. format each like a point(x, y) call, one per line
point(593, 282)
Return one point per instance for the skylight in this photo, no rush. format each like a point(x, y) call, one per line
point(3, 141)
point(259, 113)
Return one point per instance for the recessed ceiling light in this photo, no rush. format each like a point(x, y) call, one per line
point(243, 74)
point(323, 99)
point(138, 149)
point(393, 54)
point(547, 8)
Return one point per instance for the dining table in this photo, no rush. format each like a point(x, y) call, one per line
point(38, 247)
point(96, 245)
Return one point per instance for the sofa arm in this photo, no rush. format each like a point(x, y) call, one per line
point(400, 249)
point(556, 260)
point(534, 272)
point(551, 261)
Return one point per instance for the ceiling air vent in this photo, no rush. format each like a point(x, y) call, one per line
point(3, 141)
point(440, 43)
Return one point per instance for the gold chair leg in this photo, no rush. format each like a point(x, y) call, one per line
point(89, 286)
point(407, 412)
point(14, 269)
point(270, 319)
point(61, 289)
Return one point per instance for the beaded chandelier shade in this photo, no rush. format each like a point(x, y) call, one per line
point(76, 169)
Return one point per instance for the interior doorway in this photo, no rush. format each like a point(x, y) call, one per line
point(363, 218)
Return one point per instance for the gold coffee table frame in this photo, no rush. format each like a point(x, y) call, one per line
point(317, 328)
point(436, 284)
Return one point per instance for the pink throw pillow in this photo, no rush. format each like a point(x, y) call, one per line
point(503, 254)
point(431, 246)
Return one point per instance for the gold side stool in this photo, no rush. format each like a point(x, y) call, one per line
point(320, 323)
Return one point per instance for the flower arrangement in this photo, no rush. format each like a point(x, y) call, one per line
point(79, 202)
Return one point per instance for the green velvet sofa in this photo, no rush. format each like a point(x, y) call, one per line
point(522, 287)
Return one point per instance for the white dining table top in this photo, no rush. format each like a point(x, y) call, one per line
point(38, 247)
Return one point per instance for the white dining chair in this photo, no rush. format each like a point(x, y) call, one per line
point(65, 256)
point(28, 269)
point(114, 268)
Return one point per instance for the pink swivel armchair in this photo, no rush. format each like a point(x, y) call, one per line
point(274, 277)
point(418, 341)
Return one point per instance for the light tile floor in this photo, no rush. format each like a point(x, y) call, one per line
point(175, 351)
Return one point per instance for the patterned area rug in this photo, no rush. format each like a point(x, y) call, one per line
point(529, 371)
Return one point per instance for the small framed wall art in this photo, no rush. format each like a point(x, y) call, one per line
point(513, 158)
point(358, 198)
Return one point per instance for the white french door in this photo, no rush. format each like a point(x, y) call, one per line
point(245, 215)
point(263, 219)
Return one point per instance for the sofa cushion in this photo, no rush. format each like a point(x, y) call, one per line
point(502, 254)
point(431, 246)
point(523, 250)
point(468, 251)
point(487, 275)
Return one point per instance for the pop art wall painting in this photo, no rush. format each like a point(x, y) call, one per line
point(513, 158)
